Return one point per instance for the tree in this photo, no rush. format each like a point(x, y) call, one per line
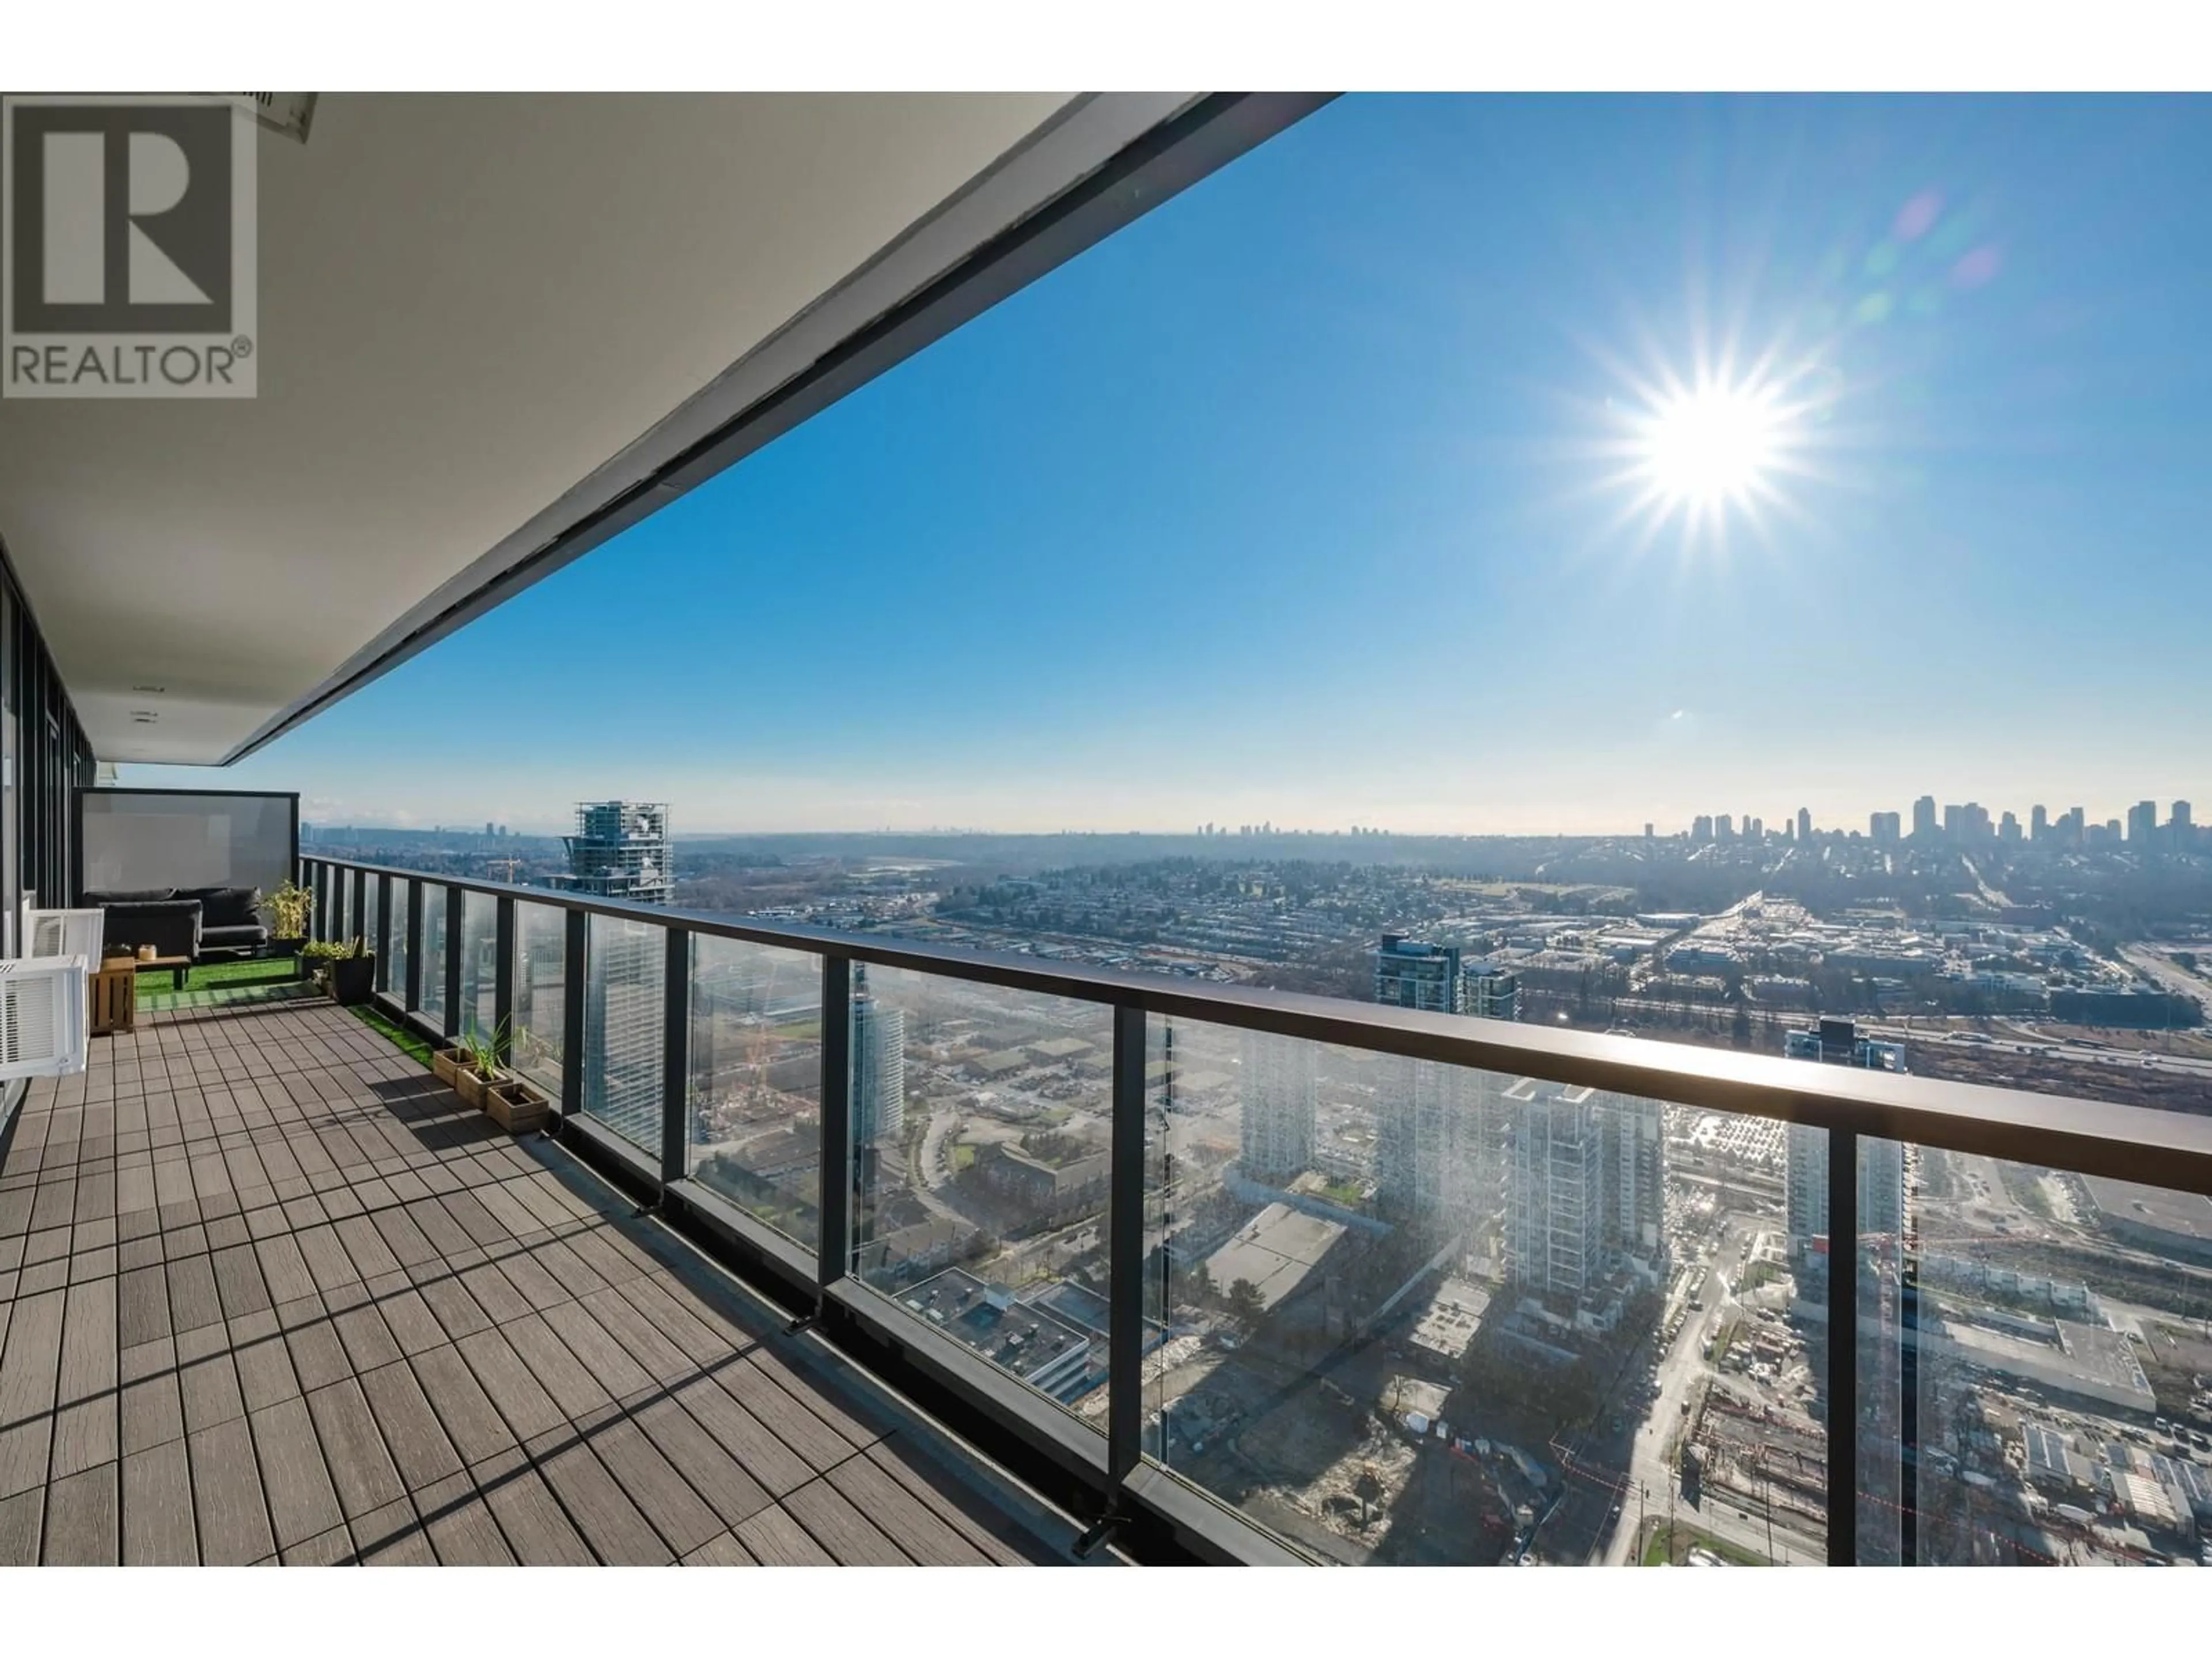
point(1198, 1284)
point(1245, 1305)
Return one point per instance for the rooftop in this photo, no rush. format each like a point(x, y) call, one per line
point(2186, 1215)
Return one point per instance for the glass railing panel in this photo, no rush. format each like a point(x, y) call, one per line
point(433, 898)
point(479, 1008)
point(1406, 1313)
point(392, 971)
point(980, 1160)
point(540, 979)
point(754, 1108)
point(2049, 1337)
point(340, 918)
point(626, 967)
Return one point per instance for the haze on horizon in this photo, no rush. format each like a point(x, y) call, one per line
point(1495, 464)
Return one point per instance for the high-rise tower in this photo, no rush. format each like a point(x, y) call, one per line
point(1278, 1127)
point(620, 850)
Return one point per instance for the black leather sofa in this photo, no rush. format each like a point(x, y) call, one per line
point(198, 923)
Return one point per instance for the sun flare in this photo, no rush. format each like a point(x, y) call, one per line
point(1715, 444)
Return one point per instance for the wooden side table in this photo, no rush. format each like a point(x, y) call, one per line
point(180, 966)
point(114, 990)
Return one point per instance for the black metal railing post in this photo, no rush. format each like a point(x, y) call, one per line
point(455, 907)
point(383, 946)
point(675, 1056)
point(414, 990)
point(1125, 1249)
point(503, 977)
point(357, 911)
point(573, 962)
point(1843, 1347)
point(836, 1184)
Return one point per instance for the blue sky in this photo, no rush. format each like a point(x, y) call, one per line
point(1312, 497)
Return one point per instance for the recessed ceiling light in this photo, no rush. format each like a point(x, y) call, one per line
point(156, 690)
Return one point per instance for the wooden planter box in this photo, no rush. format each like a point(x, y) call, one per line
point(515, 1106)
point(471, 1088)
point(448, 1064)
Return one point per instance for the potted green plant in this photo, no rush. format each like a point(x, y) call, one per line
point(290, 908)
point(480, 1069)
point(345, 968)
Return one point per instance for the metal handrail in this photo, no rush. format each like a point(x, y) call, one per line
point(2164, 1149)
point(2167, 1149)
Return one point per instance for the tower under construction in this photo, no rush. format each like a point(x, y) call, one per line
point(620, 850)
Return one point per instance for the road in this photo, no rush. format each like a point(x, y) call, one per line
point(2088, 1052)
point(2170, 975)
point(1652, 1477)
point(1991, 895)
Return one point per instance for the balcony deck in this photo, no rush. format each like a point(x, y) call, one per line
point(268, 1293)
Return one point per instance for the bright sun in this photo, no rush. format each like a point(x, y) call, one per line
point(1713, 444)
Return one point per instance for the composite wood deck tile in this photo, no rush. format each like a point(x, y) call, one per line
point(157, 1508)
point(851, 1538)
point(520, 1399)
point(392, 1537)
point(302, 1504)
point(406, 1315)
point(920, 1531)
point(470, 1420)
point(787, 1417)
point(721, 1551)
point(677, 1513)
point(532, 1282)
point(362, 1470)
point(226, 1496)
point(608, 1361)
point(573, 1389)
point(83, 1520)
point(768, 1460)
point(269, 1293)
point(29, 1367)
point(529, 1516)
point(701, 1343)
point(720, 1480)
point(662, 1360)
point(463, 1530)
point(999, 1535)
point(417, 1441)
point(153, 1410)
point(775, 1540)
point(611, 1524)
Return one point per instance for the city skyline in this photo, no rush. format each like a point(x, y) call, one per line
point(2167, 814)
point(1746, 449)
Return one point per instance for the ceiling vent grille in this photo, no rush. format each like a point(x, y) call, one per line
point(287, 112)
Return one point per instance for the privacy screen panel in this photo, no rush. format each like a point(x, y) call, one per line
point(132, 840)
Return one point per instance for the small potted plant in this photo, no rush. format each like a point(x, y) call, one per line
point(290, 908)
point(346, 969)
point(480, 1068)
